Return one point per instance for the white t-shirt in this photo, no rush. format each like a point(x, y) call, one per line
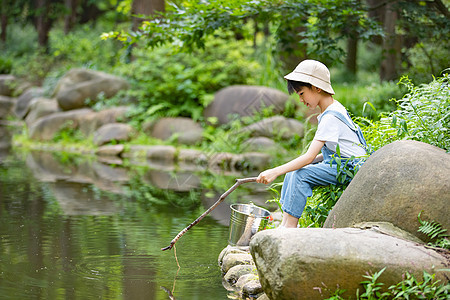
point(333, 131)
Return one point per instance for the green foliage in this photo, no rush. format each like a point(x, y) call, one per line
point(5, 65)
point(434, 231)
point(409, 288)
point(319, 205)
point(329, 22)
point(225, 138)
point(68, 134)
point(424, 113)
point(181, 84)
point(83, 48)
point(188, 24)
point(355, 96)
point(372, 288)
point(428, 59)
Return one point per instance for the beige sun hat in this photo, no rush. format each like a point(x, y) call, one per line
point(313, 72)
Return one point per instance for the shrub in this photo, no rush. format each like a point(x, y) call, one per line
point(5, 65)
point(181, 84)
point(428, 60)
point(424, 113)
point(83, 48)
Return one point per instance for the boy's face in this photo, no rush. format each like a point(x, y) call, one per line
point(309, 96)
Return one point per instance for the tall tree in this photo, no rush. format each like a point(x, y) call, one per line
point(71, 15)
point(45, 12)
point(3, 20)
point(144, 9)
point(391, 46)
point(314, 27)
point(407, 23)
point(9, 11)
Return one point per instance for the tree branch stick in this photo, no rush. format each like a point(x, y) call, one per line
point(221, 198)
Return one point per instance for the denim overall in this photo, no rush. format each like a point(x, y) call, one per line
point(298, 184)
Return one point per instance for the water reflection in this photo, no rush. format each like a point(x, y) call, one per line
point(79, 228)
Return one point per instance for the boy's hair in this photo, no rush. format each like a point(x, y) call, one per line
point(294, 86)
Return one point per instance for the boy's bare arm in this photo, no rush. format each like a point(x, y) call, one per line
point(311, 155)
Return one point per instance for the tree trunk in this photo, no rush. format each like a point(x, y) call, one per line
point(4, 25)
point(352, 52)
point(70, 18)
point(3, 20)
point(146, 8)
point(390, 45)
point(43, 22)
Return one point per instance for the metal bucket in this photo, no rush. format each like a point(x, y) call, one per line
point(245, 221)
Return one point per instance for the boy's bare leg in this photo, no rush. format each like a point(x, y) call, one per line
point(289, 221)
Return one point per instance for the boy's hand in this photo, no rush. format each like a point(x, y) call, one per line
point(267, 176)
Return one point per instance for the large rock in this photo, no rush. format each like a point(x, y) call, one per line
point(395, 184)
point(118, 132)
point(244, 100)
point(312, 263)
point(276, 127)
point(46, 128)
point(263, 144)
point(78, 85)
point(186, 130)
point(6, 105)
point(23, 102)
point(40, 107)
point(93, 121)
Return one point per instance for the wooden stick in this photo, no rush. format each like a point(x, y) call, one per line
point(221, 198)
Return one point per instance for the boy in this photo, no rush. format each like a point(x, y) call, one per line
point(311, 81)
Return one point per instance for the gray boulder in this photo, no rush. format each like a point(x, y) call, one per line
point(7, 83)
point(251, 161)
point(234, 259)
point(45, 128)
point(78, 85)
point(23, 102)
point(40, 107)
point(113, 132)
point(233, 274)
point(93, 121)
point(191, 159)
point(243, 101)
point(6, 105)
point(312, 263)
point(276, 127)
point(251, 289)
point(261, 143)
point(186, 130)
point(395, 184)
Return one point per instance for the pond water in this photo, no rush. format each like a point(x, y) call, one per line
point(73, 227)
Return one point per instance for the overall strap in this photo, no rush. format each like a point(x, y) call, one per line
point(352, 126)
